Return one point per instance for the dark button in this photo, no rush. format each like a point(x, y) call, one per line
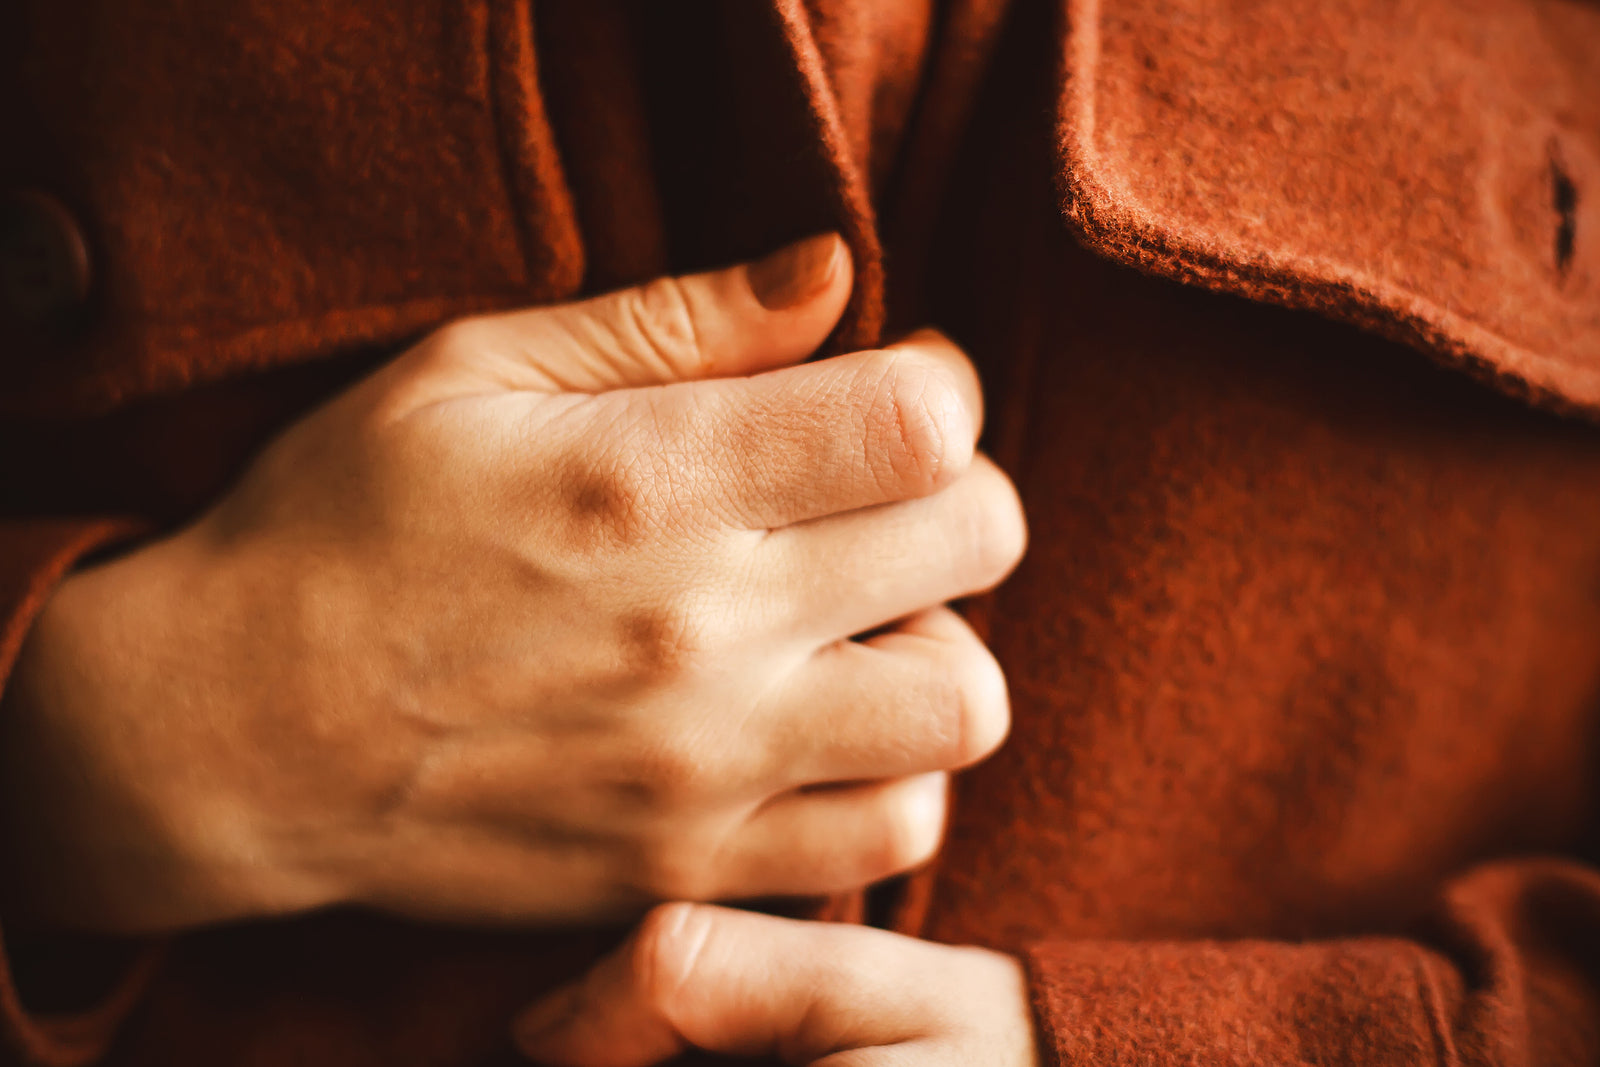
point(44, 263)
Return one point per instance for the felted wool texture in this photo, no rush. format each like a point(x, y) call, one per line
point(267, 183)
point(1298, 715)
point(1425, 169)
point(1305, 655)
point(1372, 1001)
point(1280, 590)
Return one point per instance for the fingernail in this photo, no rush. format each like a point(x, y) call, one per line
point(795, 273)
point(545, 1017)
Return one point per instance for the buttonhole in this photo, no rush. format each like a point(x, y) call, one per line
point(1564, 199)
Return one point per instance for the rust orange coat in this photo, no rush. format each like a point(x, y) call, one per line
point(1289, 316)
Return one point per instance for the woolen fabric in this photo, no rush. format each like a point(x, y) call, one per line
point(1289, 320)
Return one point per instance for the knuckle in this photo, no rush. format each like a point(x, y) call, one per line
point(940, 710)
point(665, 949)
point(909, 835)
point(619, 499)
point(659, 319)
point(982, 708)
point(663, 641)
point(999, 530)
point(963, 708)
point(463, 338)
point(915, 424)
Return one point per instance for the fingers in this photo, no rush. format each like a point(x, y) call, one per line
point(850, 573)
point(814, 842)
point(791, 445)
point(740, 320)
point(845, 433)
point(743, 984)
point(924, 696)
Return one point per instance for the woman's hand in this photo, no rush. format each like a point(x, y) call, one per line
point(545, 621)
point(809, 993)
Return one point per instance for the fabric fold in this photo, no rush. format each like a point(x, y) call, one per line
point(1502, 977)
point(1428, 171)
point(34, 556)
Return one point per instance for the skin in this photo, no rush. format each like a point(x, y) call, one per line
point(733, 982)
point(548, 620)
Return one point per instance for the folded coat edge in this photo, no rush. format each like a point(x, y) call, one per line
point(1173, 210)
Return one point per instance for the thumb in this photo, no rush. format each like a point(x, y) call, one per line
point(732, 982)
point(736, 321)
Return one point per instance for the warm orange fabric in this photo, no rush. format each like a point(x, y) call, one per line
point(1305, 658)
point(1406, 166)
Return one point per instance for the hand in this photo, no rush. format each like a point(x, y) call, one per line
point(751, 985)
point(545, 621)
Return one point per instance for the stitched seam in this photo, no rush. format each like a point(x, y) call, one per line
point(1347, 295)
point(1444, 1049)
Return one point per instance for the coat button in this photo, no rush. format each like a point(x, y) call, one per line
point(44, 262)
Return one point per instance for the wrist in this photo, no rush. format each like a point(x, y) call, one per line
point(36, 806)
point(104, 828)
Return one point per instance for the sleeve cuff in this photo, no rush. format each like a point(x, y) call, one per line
point(34, 556)
point(1368, 1001)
